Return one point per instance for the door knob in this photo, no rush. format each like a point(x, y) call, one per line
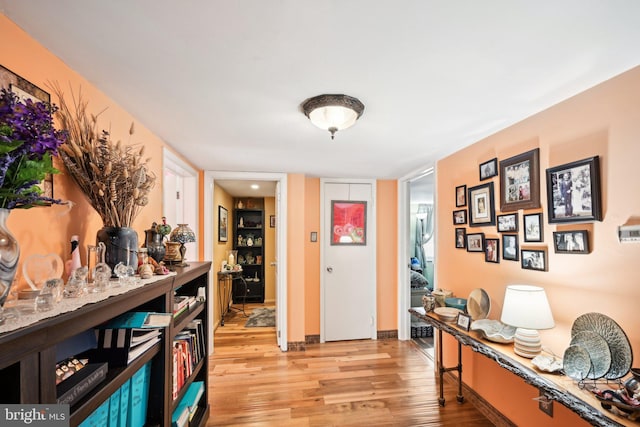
point(330, 269)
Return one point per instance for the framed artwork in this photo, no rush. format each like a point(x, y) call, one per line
point(489, 169)
point(532, 227)
point(461, 238)
point(520, 182)
point(223, 224)
point(463, 321)
point(482, 205)
point(461, 196)
point(348, 222)
point(571, 242)
point(510, 250)
point(459, 217)
point(533, 259)
point(475, 242)
point(508, 223)
point(492, 250)
point(272, 221)
point(573, 191)
point(24, 89)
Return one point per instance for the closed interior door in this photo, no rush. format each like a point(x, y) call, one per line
point(349, 279)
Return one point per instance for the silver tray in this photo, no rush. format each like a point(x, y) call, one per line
point(478, 304)
point(576, 362)
point(619, 346)
point(598, 350)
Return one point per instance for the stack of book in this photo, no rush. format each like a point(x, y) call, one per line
point(182, 303)
point(188, 349)
point(188, 405)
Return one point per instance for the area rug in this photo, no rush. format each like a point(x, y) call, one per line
point(261, 317)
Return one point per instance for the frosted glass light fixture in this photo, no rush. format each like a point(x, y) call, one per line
point(526, 307)
point(333, 112)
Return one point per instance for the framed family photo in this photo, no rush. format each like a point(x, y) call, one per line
point(489, 169)
point(508, 223)
point(482, 209)
point(510, 249)
point(532, 227)
point(520, 182)
point(459, 217)
point(571, 242)
point(461, 196)
point(533, 259)
point(461, 238)
point(573, 191)
point(475, 242)
point(492, 250)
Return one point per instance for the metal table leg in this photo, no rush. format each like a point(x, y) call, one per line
point(442, 370)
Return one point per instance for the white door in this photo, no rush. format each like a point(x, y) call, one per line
point(348, 267)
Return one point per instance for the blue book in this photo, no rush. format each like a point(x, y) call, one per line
point(114, 409)
point(124, 403)
point(180, 417)
point(138, 396)
point(192, 396)
point(139, 319)
point(99, 417)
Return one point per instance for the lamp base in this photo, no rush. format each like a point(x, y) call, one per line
point(527, 343)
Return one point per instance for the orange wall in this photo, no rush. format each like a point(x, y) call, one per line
point(603, 121)
point(48, 230)
point(387, 254)
point(220, 198)
point(312, 257)
point(269, 251)
point(296, 257)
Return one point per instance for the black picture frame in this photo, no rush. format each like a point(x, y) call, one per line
point(272, 221)
point(461, 196)
point(463, 321)
point(580, 199)
point(533, 227)
point(461, 238)
point(488, 169)
point(571, 242)
point(507, 223)
point(492, 250)
point(475, 242)
point(510, 247)
point(520, 182)
point(223, 224)
point(533, 259)
point(481, 202)
point(459, 217)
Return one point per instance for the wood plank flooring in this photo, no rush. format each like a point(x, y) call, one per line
point(350, 383)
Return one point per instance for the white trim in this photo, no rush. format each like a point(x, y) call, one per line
point(281, 230)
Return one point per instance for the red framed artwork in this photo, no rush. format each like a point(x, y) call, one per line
point(348, 222)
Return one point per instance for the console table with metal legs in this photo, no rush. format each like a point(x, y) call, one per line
point(442, 370)
point(225, 288)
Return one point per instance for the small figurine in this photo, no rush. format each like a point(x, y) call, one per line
point(164, 229)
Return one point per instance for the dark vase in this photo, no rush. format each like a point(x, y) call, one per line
point(121, 245)
point(154, 245)
point(9, 255)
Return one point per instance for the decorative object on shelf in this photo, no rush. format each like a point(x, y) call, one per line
point(153, 243)
point(223, 224)
point(182, 234)
point(547, 363)
point(348, 222)
point(459, 303)
point(598, 349)
point(172, 255)
point(482, 210)
point(440, 295)
point(333, 112)
point(573, 191)
point(526, 307)
point(232, 258)
point(428, 303)
point(576, 362)
point(463, 321)
point(9, 255)
point(145, 269)
point(240, 204)
point(447, 314)
point(520, 182)
point(121, 245)
point(478, 304)
point(241, 223)
point(494, 330)
point(37, 269)
point(74, 262)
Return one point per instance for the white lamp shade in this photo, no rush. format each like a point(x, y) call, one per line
point(526, 306)
point(333, 116)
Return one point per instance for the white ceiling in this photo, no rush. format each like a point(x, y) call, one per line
point(222, 81)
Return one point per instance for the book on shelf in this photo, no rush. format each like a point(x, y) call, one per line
point(192, 397)
point(124, 403)
point(82, 382)
point(99, 417)
point(139, 396)
point(182, 303)
point(180, 416)
point(114, 408)
point(139, 319)
point(120, 347)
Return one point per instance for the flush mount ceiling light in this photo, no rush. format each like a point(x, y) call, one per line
point(333, 112)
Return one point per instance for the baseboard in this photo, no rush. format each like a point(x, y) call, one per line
point(485, 408)
point(296, 346)
point(270, 302)
point(312, 339)
point(385, 335)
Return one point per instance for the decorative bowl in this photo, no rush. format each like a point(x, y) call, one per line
point(494, 330)
point(459, 303)
point(440, 295)
point(447, 314)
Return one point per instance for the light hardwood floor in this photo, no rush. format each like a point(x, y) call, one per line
point(352, 383)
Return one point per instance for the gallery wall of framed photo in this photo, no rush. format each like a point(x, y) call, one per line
point(573, 195)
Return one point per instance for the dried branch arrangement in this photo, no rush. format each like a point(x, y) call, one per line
point(114, 177)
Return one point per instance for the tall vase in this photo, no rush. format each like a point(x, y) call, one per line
point(9, 255)
point(121, 245)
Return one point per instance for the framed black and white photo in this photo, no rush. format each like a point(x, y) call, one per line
point(459, 217)
point(492, 250)
point(482, 209)
point(533, 259)
point(461, 238)
point(520, 182)
point(489, 169)
point(510, 249)
point(463, 321)
point(508, 223)
point(461, 196)
point(573, 191)
point(571, 242)
point(475, 242)
point(532, 224)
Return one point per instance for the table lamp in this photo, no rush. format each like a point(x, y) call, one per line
point(526, 308)
point(182, 234)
